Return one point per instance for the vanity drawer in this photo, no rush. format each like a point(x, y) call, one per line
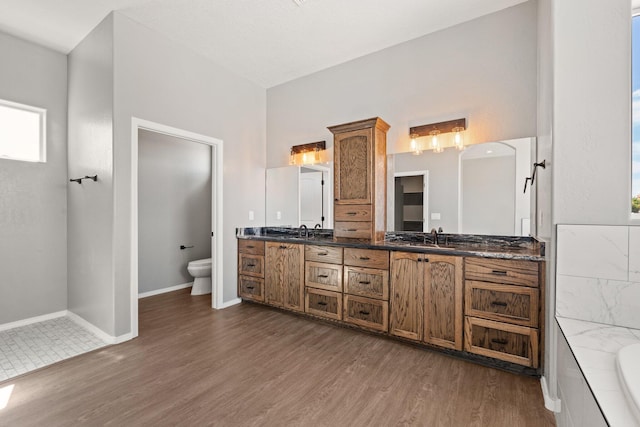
point(511, 272)
point(251, 265)
point(326, 254)
point(366, 312)
point(323, 303)
point(352, 212)
point(323, 276)
point(507, 303)
point(368, 258)
point(352, 229)
point(366, 282)
point(511, 343)
point(254, 247)
point(251, 288)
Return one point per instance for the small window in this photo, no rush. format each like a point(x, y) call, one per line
point(22, 132)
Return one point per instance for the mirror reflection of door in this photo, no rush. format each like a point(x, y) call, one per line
point(312, 197)
point(488, 175)
point(410, 204)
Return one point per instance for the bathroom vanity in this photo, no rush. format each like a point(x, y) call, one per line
point(477, 297)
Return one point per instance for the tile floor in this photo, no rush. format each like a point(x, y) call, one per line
point(30, 347)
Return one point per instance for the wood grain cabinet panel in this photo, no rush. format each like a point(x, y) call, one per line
point(368, 258)
point(366, 282)
point(323, 276)
point(251, 288)
point(366, 312)
point(407, 295)
point(360, 171)
point(506, 303)
point(254, 247)
point(443, 296)
point(511, 343)
point(505, 271)
point(284, 275)
point(251, 265)
point(323, 303)
point(353, 213)
point(325, 254)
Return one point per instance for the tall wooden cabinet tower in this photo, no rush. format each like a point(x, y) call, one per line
point(360, 179)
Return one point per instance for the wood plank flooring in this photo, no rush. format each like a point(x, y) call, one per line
point(250, 365)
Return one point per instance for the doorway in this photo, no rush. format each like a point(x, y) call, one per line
point(411, 201)
point(138, 125)
point(314, 196)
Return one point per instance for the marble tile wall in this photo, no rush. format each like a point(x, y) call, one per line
point(598, 274)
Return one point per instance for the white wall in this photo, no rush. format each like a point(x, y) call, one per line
point(484, 70)
point(90, 205)
point(161, 81)
point(33, 196)
point(174, 208)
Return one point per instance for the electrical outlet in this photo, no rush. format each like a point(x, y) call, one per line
point(251, 216)
point(278, 215)
point(435, 215)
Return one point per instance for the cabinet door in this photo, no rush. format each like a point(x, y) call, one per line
point(443, 301)
point(352, 167)
point(293, 278)
point(407, 295)
point(274, 273)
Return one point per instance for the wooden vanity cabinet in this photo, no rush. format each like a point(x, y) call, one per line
point(284, 275)
point(502, 309)
point(360, 173)
point(426, 298)
point(251, 269)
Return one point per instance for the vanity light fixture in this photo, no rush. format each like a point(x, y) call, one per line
point(435, 131)
point(416, 147)
point(306, 154)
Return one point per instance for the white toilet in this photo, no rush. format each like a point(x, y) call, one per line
point(201, 271)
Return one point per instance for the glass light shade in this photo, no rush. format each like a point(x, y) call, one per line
point(415, 146)
point(435, 142)
point(458, 138)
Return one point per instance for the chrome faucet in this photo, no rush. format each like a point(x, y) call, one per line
point(306, 231)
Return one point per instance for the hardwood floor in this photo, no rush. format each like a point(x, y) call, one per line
point(252, 365)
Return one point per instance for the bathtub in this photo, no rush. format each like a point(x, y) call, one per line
point(628, 363)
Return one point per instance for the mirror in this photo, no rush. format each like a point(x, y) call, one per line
point(476, 191)
point(297, 195)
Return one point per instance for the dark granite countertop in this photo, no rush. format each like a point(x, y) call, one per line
point(504, 247)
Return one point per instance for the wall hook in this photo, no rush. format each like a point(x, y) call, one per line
point(532, 178)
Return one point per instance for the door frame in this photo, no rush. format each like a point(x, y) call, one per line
point(425, 194)
point(327, 196)
point(216, 210)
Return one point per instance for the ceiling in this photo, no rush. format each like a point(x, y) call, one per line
point(268, 42)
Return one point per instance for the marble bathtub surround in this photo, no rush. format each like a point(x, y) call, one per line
point(597, 274)
point(594, 346)
point(505, 247)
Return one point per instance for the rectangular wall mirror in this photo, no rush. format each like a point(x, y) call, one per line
point(475, 191)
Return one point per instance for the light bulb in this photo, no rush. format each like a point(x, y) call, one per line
point(415, 146)
point(458, 140)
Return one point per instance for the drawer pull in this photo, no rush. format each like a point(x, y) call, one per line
point(251, 265)
point(499, 303)
point(351, 229)
point(323, 253)
point(283, 247)
point(501, 342)
point(324, 276)
point(365, 258)
point(251, 247)
point(249, 287)
point(499, 272)
point(365, 282)
point(364, 313)
point(351, 213)
point(322, 303)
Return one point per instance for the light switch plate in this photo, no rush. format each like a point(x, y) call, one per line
point(251, 216)
point(435, 215)
point(278, 215)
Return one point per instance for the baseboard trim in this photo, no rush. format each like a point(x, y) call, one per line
point(30, 320)
point(109, 339)
point(230, 303)
point(554, 405)
point(165, 290)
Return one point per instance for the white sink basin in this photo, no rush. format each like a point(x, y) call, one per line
point(628, 362)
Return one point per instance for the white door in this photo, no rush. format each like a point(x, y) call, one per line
point(311, 198)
